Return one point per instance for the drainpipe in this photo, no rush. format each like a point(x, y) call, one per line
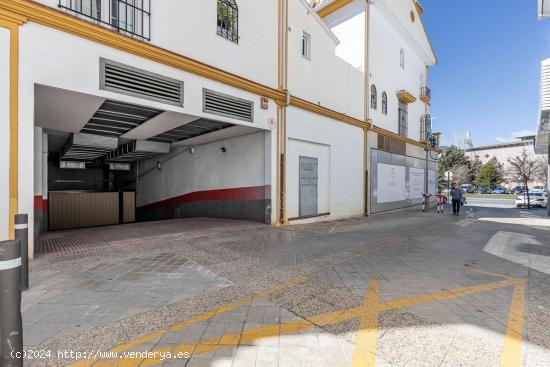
point(366, 104)
point(428, 148)
point(283, 86)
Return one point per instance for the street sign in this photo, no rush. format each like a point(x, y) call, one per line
point(448, 175)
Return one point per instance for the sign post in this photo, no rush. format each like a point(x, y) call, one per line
point(449, 177)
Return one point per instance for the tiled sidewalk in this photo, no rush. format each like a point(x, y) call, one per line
point(242, 294)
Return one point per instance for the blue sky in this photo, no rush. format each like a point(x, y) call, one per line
point(488, 75)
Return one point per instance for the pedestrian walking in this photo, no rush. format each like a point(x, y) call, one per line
point(457, 196)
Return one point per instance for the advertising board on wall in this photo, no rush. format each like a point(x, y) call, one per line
point(398, 181)
point(432, 182)
point(391, 183)
point(416, 183)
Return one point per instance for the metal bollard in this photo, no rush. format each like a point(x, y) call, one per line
point(11, 325)
point(22, 234)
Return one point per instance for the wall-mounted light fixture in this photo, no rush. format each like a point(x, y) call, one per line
point(158, 165)
point(224, 150)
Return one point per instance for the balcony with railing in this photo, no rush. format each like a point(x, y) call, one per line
point(425, 94)
point(129, 17)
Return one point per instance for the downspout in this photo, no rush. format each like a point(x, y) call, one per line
point(281, 126)
point(367, 109)
point(428, 148)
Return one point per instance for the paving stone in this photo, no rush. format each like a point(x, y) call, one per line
point(101, 287)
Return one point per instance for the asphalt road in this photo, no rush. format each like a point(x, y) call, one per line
point(496, 203)
point(492, 203)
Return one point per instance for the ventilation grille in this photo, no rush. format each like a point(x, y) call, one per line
point(125, 79)
point(222, 104)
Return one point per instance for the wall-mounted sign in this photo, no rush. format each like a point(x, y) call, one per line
point(264, 103)
point(416, 183)
point(271, 123)
point(391, 185)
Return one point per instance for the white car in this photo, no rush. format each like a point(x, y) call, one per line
point(536, 198)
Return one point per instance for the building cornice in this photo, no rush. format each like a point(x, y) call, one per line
point(312, 107)
point(384, 132)
point(332, 7)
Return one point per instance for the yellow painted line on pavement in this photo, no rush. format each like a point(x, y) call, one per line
point(367, 335)
point(499, 275)
point(445, 295)
point(511, 351)
point(248, 336)
point(180, 325)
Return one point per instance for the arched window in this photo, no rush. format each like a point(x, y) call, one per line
point(373, 97)
point(402, 58)
point(228, 20)
point(384, 103)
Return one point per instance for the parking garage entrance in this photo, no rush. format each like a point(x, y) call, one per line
point(102, 161)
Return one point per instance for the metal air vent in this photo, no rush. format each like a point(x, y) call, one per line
point(137, 150)
point(225, 105)
point(120, 78)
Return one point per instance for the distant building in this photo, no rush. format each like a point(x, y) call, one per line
point(543, 9)
point(504, 151)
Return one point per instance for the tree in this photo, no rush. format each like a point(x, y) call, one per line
point(525, 168)
point(475, 166)
point(490, 174)
point(452, 158)
point(461, 174)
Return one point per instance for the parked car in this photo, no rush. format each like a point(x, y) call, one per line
point(518, 190)
point(467, 188)
point(483, 190)
point(500, 191)
point(536, 198)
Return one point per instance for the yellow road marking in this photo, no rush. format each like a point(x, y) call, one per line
point(367, 335)
point(445, 295)
point(500, 275)
point(248, 336)
point(511, 351)
point(180, 325)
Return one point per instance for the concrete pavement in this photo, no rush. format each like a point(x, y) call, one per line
point(399, 289)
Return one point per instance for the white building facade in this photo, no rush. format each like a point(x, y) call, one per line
point(120, 112)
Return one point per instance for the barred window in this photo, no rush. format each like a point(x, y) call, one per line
point(373, 97)
point(228, 20)
point(384, 103)
point(403, 119)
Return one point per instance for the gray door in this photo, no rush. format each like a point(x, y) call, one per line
point(309, 178)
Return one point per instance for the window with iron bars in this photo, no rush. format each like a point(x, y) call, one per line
point(403, 119)
point(373, 97)
point(425, 127)
point(384, 103)
point(130, 17)
point(228, 20)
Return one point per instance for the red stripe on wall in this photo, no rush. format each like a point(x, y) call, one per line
point(239, 193)
point(40, 203)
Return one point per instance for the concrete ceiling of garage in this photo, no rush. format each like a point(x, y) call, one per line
point(61, 112)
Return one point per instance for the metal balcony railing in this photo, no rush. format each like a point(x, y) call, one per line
point(425, 94)
point(130, 17)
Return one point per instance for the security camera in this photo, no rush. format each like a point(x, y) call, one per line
point(224, 150)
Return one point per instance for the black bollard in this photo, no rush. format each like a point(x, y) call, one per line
point(22, 234)
point(11, 325)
